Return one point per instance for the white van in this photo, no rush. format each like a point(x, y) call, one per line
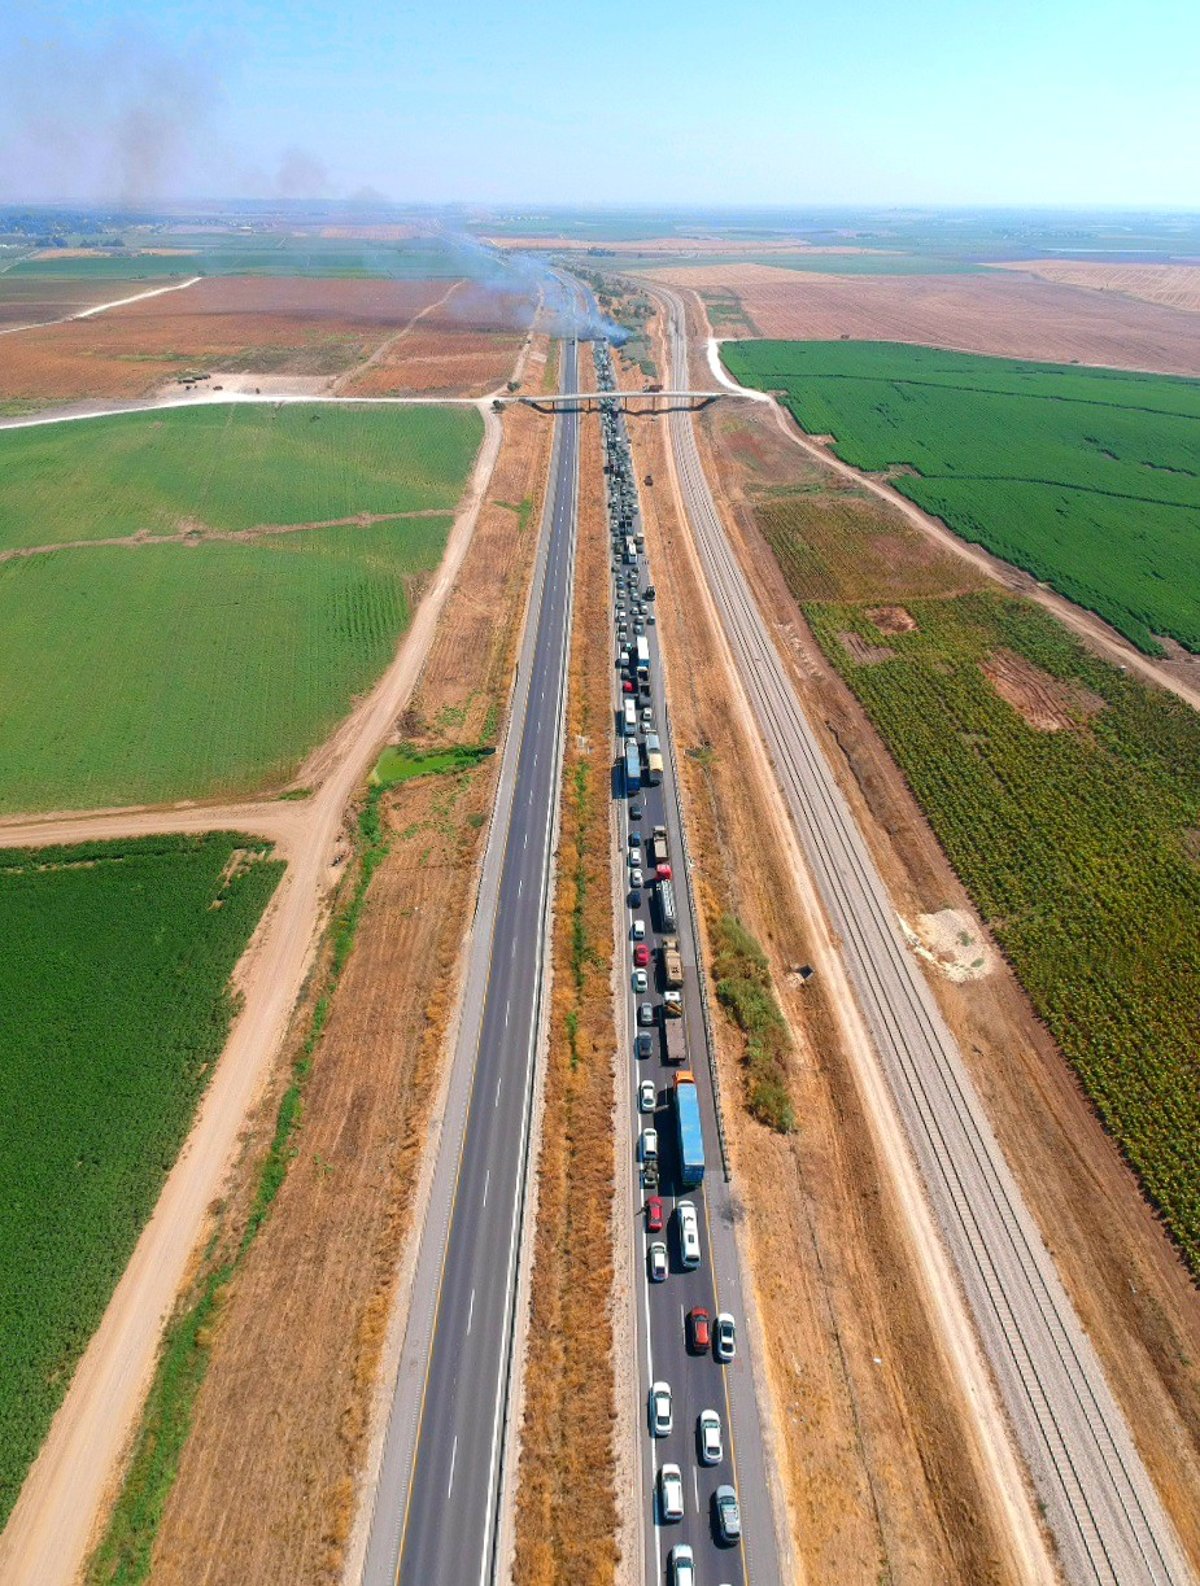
point(630, 722)
point(689, 1234)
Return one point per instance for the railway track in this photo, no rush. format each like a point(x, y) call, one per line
point(1102, 1508)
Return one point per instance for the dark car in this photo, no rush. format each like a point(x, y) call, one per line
point(636, 811)
point(654, 1214)
point(645, 1044)
point(646, 1013)
point(635, 899)
point(698, 1331)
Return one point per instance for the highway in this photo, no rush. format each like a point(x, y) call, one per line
point(436, 1515)
point(1097, 1498)
point(697, 1381)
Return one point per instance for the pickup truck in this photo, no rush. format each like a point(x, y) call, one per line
point(672, 963)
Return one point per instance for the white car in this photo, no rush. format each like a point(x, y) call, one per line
point(635, 876)
point(659, 1265)
point(688, 1225)
point(661, 1419)
point(712, 1451)
point(724, 1338)
point(670, 1492)
point(639, 930)
point(681, 1571)
point(640, 980)
point(649, 1145)
point(647, 1096)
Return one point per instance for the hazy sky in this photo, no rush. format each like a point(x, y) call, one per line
point(557, 101)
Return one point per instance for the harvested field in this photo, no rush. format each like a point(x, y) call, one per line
point(296, 326)
point(862, 652)
point(30, 300)
point(569, 1399)
point(1001, 315)
point(1049, 704)
point(465, 346)
point(296, 1352)
point(1172, 285)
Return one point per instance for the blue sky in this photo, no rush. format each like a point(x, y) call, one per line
point(770, 102)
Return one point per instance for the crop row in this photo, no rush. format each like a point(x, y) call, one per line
point(1087, 478)
point(115, 985)
point(1078, 848)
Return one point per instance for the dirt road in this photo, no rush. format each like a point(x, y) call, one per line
point(1086, 624)
point(48, 1534)
point(100, 308)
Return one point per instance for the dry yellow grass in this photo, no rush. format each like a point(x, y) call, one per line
point(1173, 285)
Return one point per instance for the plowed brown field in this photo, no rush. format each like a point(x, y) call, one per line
point(1175, 285)
point(1003, 315)
point(33, 300)
point(465, 346)
point(301, 327)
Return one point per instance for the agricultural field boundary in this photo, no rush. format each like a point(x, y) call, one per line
point(1093, 629)
point(385, 347)
point(48, 1534)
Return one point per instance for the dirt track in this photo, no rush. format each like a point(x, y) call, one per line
point(49, 1530)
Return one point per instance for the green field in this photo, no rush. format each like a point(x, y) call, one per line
point(165, 672)
point(1089, 479)
point(1079, 847)
point(114, 981)
point(232, 256)
point(229, 467)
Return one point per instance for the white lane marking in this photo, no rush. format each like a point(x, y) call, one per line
point(453, 1458)
point(499, 1082)
point(486, 1183)
point(696, 1487)
point(525, 844)
point(507, 1007)
point(520, 886)
point(470, 1313)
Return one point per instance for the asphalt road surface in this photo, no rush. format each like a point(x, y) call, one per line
point(436, 1512)
point(697, 1381)
point(1099, 1502)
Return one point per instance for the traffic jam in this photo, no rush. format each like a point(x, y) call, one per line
point(688, 1340)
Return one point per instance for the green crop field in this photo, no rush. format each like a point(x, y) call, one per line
point(1089, 479)
point(1080, 848)
point(229, 467)
point(171, 671)
point(115, 984)
point(236, 256)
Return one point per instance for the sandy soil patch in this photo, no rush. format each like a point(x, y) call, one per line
point(1002, 315)
point(953, 941)
point(1173, 285)
point(1045, 702)
point(239, 324)
point(892, 619)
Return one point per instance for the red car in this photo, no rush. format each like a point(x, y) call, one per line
point(699, 1336)
point(641, 955)
point(663, 872)
point(627, 687)
point(654, 1215)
